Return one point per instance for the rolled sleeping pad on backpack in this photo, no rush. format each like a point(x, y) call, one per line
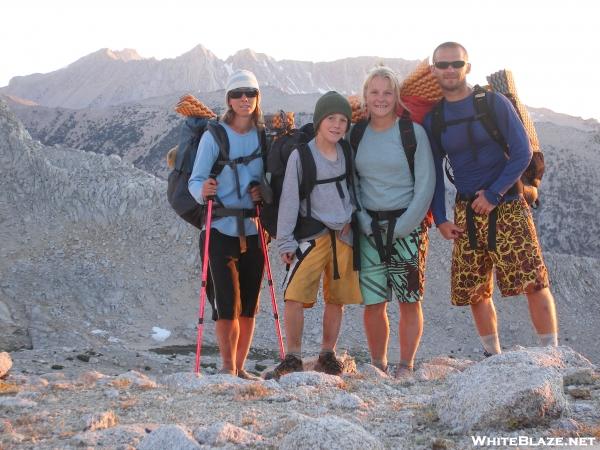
point(503, 82)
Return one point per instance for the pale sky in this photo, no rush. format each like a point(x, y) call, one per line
point(552, 47)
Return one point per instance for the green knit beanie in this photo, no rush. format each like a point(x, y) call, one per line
point(331, 103)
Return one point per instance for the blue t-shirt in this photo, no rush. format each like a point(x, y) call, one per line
point(477, 161)
point(240, 145)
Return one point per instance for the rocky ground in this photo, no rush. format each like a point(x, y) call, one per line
point(71, 398)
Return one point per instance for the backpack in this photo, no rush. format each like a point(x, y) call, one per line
point(277, 159)
point(178, 195)
point(485, 113)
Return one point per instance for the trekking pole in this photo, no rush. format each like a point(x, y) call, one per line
point(200, 325)
point(269, 280)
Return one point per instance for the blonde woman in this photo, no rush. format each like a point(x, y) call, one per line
point(394, 201)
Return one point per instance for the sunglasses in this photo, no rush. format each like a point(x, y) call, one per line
point(249, 93)
point(445, 64)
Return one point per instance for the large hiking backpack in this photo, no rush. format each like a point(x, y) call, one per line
point(178, 194)
point(276, 164)
point(485, 113)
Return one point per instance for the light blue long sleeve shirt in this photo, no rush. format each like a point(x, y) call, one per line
point(240, 145)
point(385, 181)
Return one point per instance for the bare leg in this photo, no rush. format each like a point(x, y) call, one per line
point(377, 329)
point(228, 332)
point(410, 329)
point(244, 341)
point(294, 323)
point(332, 321)
point(484, 315)
point(542, 311)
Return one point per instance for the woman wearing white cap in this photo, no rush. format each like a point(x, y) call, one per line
point(235, 258)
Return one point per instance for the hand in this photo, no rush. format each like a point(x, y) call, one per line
point(481, 205)
point(209, 188)
point(450, 231)
point(288, 257)
point(255, 193)
point(346, 229)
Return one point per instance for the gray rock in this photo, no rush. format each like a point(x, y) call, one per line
point(430, 372)
point(120, 436)
point(296, 379)
point(518, 388)
point(5, 364)
point(370, 372)
point(329, 433)
point(347, 400)
point(567, 424)
point(17, 403)
point(188, 381)
point(579, 376)
point(221, 433)
point(169, 437)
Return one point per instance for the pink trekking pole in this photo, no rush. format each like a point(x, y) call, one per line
point(203, 287)
point(270, 281)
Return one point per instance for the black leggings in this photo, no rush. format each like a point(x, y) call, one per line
point(234, 277)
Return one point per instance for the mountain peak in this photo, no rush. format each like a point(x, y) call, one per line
point(127, 54)
point(199, 50)
point(247, 54)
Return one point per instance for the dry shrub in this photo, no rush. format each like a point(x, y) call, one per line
point(583, 430)
point(127, 404)
point(253, 391)
point(121, 383)
point(7, 388)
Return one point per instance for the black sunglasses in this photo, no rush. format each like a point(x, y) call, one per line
point(445, 64)
point(249, 93)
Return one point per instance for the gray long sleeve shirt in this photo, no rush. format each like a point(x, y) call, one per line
point(385, 182)
point(326, 204)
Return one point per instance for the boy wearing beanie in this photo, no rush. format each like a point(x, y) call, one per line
point(327, 247)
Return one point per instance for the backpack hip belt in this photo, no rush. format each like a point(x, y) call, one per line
point(385, 253)
point(240, 215)
point(492, 217)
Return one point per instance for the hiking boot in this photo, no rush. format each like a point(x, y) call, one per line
point(329, 364)
point(291, 363)
point(241, 373)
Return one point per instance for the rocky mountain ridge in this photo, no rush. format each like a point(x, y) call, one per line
point(107, 77)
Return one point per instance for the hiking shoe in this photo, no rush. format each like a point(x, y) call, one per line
point(291, 363)
point(329, 364)
point(241, 373)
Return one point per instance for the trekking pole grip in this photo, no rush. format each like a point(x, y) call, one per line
point(212, 176)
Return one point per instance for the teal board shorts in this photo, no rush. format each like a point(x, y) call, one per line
point(406, 269)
